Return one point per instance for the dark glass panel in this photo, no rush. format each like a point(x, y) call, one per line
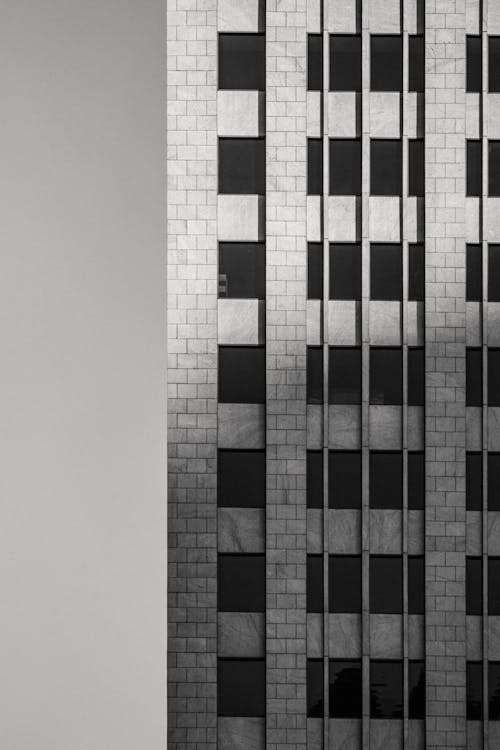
point(386, 584)
point(474, 585)
point(344, 479)
point(241, 687)
point(241, 583)
point(385, 166)
point(416, 690)
point(386, 272)
point(345, 166)
point(315, 689)
point(345, 689)
point(314, 479)
point(344, 583)
point(314, 62)
point(474, 275)
point(314, 270)
point(386, 372)
point(386, 63)
point(345, 62)
point(241, 479)
point(474, 690)
point(474, 481)
point(242, 374)
point(416, 585)
point(242, 270)
point(386, 480)
point(242, 166)
point(416, 480)
point(314, 375)
point(345, 271)
point(242, 61)
point(386, 689)
point(314, 583)
point(473, 377)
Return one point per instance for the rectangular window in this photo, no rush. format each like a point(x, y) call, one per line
point(474, 585)
point(344, 479)
point(493, 481)
point(241, 687)
point(416, 480)
point(386, 584)
point(345, 62)
point(494, 273)
point(242, 374)
point(494, 690)
point(474, 481)
point(493, 377)
point(314, 62)
point(416, 63)
point(416, 690)
point(314, 375)
point(386, 272)
point(473, 377)
point(416, 376)
point(474, 690)
point(314, 583)
point(241, 583)
point(242, 62)
point(416, 273)
point(494, 168)
point(345, 689)
point(386, 689)
point(494, 63)
point(386, 375)
point(494, 585)
point(242, 166)
point(344, 583)
point(314, 479)
point(385, 166)
point(241, 479)
point(474, 274)
point(315, 691)
point(344, 386)
point(474, 168)
point(345, 166)
point(386, 480)
point(315, 166)
point(314, 270)
point(474, 65)
point(242, 270)
point(416, 585)
point(345, 271)
point(386, 62)
point(416, 166)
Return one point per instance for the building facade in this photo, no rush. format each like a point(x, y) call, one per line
point(334, 374)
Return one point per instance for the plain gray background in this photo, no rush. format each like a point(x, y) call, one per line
point(82, 453)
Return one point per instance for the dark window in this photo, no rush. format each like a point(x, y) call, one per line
point(344, 583)
point(386, 63)
point(242, 166)
point(242, 61)
point(314, 375)
point(474, 168)
point(241, 479)
point(315, 583)
point(494, 168)
point(494, 63)
point(344, 385)
point(345, 62)
point(242, 374)
point(386, 375)
point(242, 270)
point(474, 275)
point(416, 376)
point(386, 584)
point(314, 270)
point(416, 272)
point(494, 690)
point(386, 480)
point(494, 377)
point(386, 689)
point(416, 167)
point(314, 62)
point(494, 273)
point(416, 63)
point(315, 689)
point(416, 480)
point(241, 687)
point(416, 690)
point(314, 479)
point(385, 272)
point(314, 166)
point(416, 585)
point(385, 166)
point(474, 481)
point(474, 690)
point(494, 585)
point(474, 585)
point(344, 479)
point(474, 65)
point(473, 377)
point(493, 481)
point(241, 583)
point(345, 166)
point(345, 689)
point(345, 271)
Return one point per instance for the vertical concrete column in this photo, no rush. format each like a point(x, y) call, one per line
point(286, 266)
point(445, 373)
point(192, 390)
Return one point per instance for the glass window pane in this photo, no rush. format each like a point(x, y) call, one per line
point(473, 377)
point(314, 166)
point(345, 271)
point(494, 168)
point(416, 167)
point(344, 583)
point(416, 690)
point(386, 480)
point(386, 584)
point(416, 376)
point(494, 585)
point(242, 270)
point(314, 479)
point(474, 275)
point(314, 270)
point(386, 63)
point(241, 479)
point(474, 168)
point(416, 480)
point(474, 481)
point(494, 691)
point(493, 481)
point(386, 689)
point(315, 583)
point(494, 377)
point(345, 166)
point(494, 273)
point(386, 374)
point(242, 61)
point(416, 272)
point(241, 583)
point(241, 687)
point(474, 690)
point(386, 272)
point(494, 63)
point(416, 585)
point(345, 689)
point(242, 374)
point(345, 62)
point(315, 689)
point(314, 62)
point(314, 375)
point(344, 385)
point(416, 63)
point(474, 64)
point(344, 479)
point(242, 166)
point(474, 585)
point(385, 166)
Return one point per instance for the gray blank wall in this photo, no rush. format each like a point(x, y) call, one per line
point(82, 454)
